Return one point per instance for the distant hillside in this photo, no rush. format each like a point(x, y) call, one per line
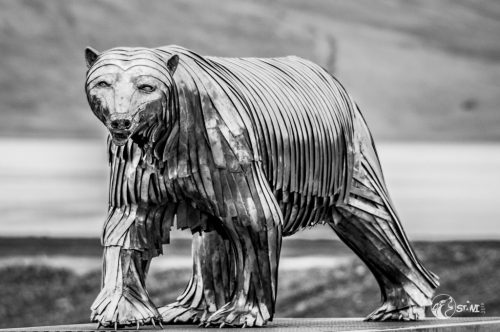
point(419, 69)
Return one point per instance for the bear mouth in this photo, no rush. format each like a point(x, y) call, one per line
point(120, 137)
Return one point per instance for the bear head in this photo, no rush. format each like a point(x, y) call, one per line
point(130, 90)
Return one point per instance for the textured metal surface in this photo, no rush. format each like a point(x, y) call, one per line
point(241, 151)
point(485, 324)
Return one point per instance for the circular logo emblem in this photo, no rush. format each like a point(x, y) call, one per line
point(443, 306)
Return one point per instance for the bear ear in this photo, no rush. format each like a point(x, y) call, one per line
point(172, 63)
point(90, 56)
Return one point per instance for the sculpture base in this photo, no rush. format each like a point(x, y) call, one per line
point(319, 325)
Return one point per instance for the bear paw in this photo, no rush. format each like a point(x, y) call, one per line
point(177, 313)
point(121, 309)
point(387, 311)
point(237, 316)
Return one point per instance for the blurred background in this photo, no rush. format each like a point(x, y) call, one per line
point(426, 75)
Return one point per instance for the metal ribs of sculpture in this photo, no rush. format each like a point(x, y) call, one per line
point(241, 151)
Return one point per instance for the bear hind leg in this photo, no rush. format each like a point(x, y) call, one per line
point(369, 225)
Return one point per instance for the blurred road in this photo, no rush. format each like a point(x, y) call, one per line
point(442, 191)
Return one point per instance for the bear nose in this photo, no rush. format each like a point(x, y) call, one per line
point(121, 124)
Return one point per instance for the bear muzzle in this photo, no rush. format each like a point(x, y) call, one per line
point(120, 128)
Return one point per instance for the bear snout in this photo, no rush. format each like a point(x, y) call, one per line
point(120, 124)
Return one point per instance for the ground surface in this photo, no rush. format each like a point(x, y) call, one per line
point(488, 324)
point(33, 294)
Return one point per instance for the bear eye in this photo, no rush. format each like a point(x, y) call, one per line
point(146, 88)
point(103, 84)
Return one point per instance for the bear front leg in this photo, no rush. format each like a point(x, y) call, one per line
point(123, 299)
point(255, 235)
point(211, 283)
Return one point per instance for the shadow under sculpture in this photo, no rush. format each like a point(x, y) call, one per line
point(241, 151)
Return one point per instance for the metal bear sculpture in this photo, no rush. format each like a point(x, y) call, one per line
point(241, 151)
